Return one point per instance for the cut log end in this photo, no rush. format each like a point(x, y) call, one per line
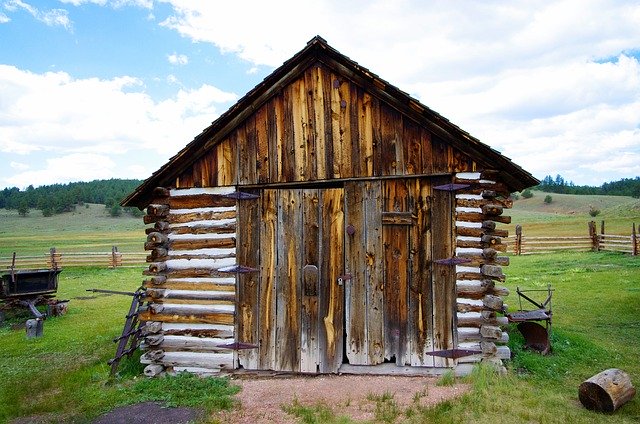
point(606, 391)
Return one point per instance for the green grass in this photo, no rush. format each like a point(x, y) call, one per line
point(84, 230)
point(63, 376)
point(568, 214)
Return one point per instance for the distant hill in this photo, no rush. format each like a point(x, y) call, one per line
point(59, 198)
point(622, 187)
point(568, 214)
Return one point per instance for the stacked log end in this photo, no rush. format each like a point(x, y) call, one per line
point(480, 305)
point(189, 303)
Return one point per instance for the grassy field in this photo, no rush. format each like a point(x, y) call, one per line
point(88, 229)
point(568, 214)
point(63, 376)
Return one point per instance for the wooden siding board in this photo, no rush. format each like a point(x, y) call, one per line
point(289, 278)
point(308, 120)
point(263, 152)
point(248, 293)
point(444, 296)
point(315, 84)
point(356, 287)
point(420, 291)
point(327, 94)
point(412, 145)
point(331, 295)
point(289, 152)
point(374, 272)
point(365, 125)
point(427, 151)
point(309, 322)
point(396, 272)
point(354, 107)
point(299, 130)
point(247, 151)
point(392, 141)
point(268, 260)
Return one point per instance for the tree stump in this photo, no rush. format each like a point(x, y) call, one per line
point(34, 328)
point(606, 391)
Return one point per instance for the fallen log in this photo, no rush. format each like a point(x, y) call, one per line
point(606, 391)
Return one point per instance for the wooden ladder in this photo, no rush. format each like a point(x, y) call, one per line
point(128, 340)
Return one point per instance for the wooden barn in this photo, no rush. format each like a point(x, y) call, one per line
point(328, 222)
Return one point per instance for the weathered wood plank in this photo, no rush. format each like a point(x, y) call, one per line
point(299, 131)
point(248, 254)
point(427, 151)
point(247, 151)
point(412, 145)
point(320, 139)
point(331, 295)
point(288, 153)
point(443, 275)
point(268, 258)
point(263, 152)
point(309, 353)
point(355, 265)
point(200, 201)
point(289, 281)
point(308, 122)
point(374, 272)
point(366, 135)
point(392, 143)
point(420, 290)
point(396, 272)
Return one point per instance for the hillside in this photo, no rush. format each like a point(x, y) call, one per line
point(89, 228)
point(568, 214)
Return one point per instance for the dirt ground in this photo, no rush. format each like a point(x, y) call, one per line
point(261, 400)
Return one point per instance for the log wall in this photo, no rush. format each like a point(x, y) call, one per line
point(189, 293)
point(478, 210)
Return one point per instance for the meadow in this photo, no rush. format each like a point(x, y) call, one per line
point(63, 376)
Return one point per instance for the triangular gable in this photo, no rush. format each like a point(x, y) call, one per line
point(333, 88)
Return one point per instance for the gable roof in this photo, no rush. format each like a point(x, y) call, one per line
point(317, 50)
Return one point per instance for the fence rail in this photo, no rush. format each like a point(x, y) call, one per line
point(58, 259)
point(524, 245)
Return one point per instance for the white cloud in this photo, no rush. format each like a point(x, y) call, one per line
point(50, 17)
point(67, 168)
point(147, 4)
point(18, 166)
point(4, 18)
point(84, 118)
point(177, 59)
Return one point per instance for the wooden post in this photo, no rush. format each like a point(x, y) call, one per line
point(593, 234)
point(518, 245)
point(53, 258)
point(634, 241)
point(601, 244)
point(606, 391)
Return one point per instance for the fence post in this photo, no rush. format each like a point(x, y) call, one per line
point(518, 244)
point(53, 258)
point(113, 263)
point(593, 234)
point(601, 245)
point(634, 241)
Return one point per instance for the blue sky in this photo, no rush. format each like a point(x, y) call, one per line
point(93, 89)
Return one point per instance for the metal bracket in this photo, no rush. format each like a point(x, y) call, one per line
point(343, 279)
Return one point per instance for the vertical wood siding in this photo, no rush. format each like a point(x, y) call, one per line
point(323, 126)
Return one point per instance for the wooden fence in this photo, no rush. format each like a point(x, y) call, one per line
point(593, 241)
point(57, 259)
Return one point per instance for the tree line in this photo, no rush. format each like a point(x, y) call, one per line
point(623, 187)
point(58, 198)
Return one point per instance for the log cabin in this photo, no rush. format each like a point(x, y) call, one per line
point(327, 223)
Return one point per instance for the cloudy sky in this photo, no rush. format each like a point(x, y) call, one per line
point(94, 89)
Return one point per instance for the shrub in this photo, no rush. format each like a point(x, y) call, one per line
point(593, 211)
point(527, 194)
point(548, 199)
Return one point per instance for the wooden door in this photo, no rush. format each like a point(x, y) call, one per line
point(390, 311)
point(292, 307)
